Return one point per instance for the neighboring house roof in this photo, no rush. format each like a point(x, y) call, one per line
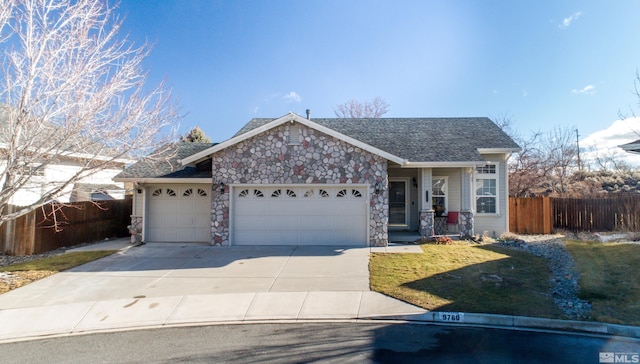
point(406, 141)
point(92, 187)
point(165, 163)
point(633, 147)
point(48, 136)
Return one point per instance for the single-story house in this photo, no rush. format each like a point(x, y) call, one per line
point(327, 181)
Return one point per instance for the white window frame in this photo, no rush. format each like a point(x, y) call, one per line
point(480, 175)
point(445, 188)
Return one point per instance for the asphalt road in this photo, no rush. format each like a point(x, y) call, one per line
point(341, 342)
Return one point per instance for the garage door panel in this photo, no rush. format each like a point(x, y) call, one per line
point(178, 213)
point(299, 215)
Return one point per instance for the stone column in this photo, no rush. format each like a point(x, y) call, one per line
point(135, 229)
point(426, 223)
point(220, 217)
point(466, 224)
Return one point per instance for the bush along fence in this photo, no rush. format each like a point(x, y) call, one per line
point(57, 225)
point(542, 215)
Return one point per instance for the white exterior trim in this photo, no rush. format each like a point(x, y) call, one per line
point(446, 192)
point(498, 150)
point(477, 176)
point(164, 180)
point(441, 164)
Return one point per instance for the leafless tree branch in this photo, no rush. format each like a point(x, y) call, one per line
point(356, 110)
point(72, 87)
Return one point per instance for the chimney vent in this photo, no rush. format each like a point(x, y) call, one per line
point(308, 114)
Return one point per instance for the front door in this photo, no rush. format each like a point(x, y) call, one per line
point(398, 203)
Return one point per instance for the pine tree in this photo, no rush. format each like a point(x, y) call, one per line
point(196, 135)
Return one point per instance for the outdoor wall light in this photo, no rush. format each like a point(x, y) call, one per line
point(221, 188)
point(378, 187)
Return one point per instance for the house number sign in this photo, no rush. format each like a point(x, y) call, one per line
point(452, 316)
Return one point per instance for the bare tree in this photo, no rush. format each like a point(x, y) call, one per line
point(356, 110)
point(71, 87)
point(561, 158)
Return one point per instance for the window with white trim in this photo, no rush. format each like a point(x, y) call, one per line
point(439, 193)
point(486, 181)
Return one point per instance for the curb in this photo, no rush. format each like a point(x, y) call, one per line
point(518, 322)
point(505, 322)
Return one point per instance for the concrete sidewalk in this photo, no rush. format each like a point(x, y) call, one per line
point(192, 284)
point(84, 317)
point(176, 284)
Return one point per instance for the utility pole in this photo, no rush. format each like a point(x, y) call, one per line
point(578, 146)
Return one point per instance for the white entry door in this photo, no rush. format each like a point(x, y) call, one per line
point(294, 215)
point(177, 213)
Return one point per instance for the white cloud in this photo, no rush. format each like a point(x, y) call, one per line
point(566, 22)
point(606, 142)
point(588, 89)
point(292, 97)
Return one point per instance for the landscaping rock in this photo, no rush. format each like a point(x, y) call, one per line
point(564, 279)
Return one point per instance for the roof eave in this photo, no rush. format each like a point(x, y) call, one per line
point(498, 150)
point(163, 180)
point(441, 164)
point(631, 148)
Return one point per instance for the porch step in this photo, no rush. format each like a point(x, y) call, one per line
point(404, 236)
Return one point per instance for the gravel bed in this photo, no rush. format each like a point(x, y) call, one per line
point(6, 260)
point(564, 279)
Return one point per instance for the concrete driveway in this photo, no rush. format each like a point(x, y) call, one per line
point(160, 270)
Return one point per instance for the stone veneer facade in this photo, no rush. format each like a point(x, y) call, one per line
point(314, 158)
point(466, 224)
point(135, 229)
point(426, 223)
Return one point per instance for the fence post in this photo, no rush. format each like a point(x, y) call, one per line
point(547, 215)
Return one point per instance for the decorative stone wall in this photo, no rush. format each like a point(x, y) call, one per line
point(466, 224)
point(426, 223)
point(314, 158)
point(135, 229)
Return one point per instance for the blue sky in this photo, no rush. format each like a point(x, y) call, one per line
point(544, 63)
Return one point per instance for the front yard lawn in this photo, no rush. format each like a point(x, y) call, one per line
point(609, 279)
point(467, 277)
point(25, 273)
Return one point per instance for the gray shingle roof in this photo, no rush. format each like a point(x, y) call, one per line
point(165, 163)
point(419, 139)
point(633, 147)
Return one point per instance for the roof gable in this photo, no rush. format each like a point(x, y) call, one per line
point(420, 140)
point(270, 124)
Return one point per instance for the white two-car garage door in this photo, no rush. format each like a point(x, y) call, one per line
point(178, 213)
point(292, 215)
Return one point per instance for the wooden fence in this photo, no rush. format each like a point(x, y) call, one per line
point(542, 215)
point(78, 222)
point(530, 215)
point(617, 212)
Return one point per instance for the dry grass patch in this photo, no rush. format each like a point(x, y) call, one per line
point(467, 277)
point(609, 279)
point(24, 273)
